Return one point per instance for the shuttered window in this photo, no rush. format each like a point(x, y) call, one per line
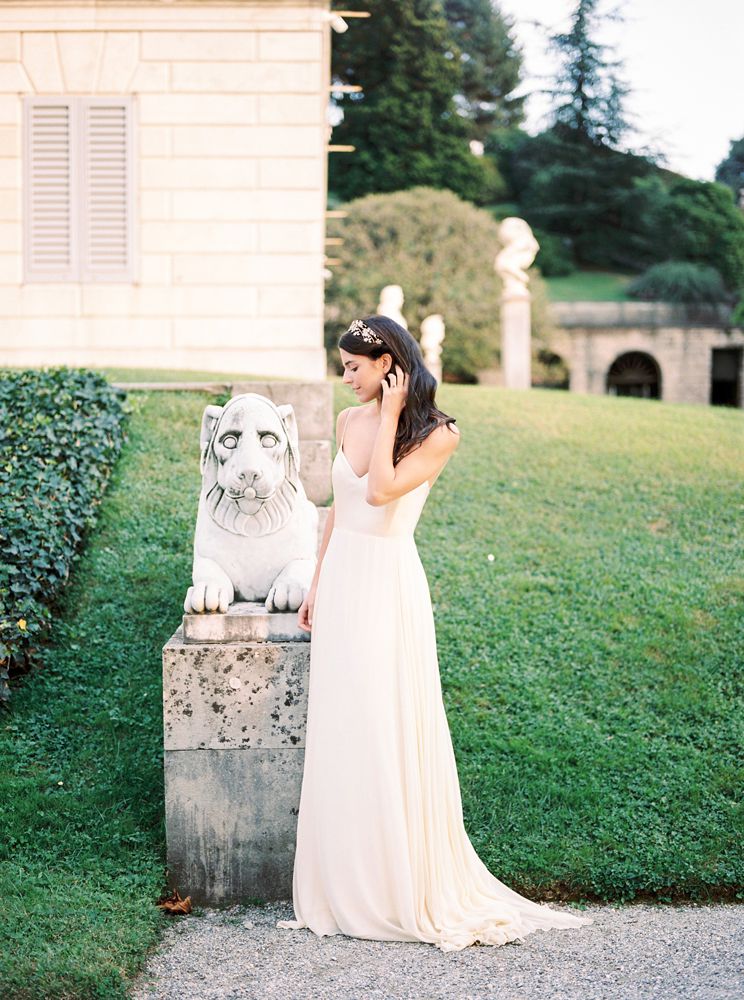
point(78, 189)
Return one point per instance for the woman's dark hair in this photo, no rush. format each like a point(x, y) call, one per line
point(420, 416)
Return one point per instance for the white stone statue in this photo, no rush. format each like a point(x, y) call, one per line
point(517, 254)
point(432, 335)
point(256, 531)
point(391, 303)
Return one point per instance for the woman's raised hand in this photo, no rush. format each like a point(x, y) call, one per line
point(394, 392)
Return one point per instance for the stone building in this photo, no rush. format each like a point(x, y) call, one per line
point(676, 354)
point(163, 184)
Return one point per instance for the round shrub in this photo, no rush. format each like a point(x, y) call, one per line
point(441, 250)
point(678, 281)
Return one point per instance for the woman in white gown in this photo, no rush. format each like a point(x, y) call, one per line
point(381, 850)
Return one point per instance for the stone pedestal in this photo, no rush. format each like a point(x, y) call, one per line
point(516, 330)
point(235, 711)
point(234, 715)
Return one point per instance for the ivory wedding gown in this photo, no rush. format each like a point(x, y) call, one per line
point(381, 849)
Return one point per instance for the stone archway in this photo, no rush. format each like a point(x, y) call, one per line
point(634, 373)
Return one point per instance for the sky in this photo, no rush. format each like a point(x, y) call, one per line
point(682, 60)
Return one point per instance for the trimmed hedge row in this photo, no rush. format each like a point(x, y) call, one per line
point(61, 431)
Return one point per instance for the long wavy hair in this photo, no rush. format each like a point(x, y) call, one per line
point(420, 416)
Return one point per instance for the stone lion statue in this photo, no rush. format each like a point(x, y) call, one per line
point(256, 531)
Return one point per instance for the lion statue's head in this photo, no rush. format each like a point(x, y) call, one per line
point(250, 464)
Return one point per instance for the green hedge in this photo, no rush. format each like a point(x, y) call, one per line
point(61, 431)
point(679, 281)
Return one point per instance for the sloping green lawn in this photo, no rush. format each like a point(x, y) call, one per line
point(584, 556)
point(589, 286)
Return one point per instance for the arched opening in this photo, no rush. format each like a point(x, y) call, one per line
point(634, 374)
point(549, 371)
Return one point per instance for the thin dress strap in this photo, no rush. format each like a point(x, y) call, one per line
point(343, 432)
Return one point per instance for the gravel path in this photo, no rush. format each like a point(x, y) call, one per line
point(635, 951)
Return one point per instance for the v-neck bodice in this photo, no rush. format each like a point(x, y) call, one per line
point(398, 517)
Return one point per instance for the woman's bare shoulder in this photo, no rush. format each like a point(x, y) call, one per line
point(443, 439)
point(342, 417)
point(446, 430)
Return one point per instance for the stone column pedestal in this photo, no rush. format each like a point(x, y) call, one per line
point(234, 714)
point(516, 331)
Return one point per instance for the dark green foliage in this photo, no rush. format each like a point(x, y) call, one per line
point(61, 431)
point(441, 251)
point(554, 259)
point(598, 200)
point(619, 210)
point(703, 225)
point(490, 65)
point(588, 95)
point(678, 281)
point(730, 171)
point(404, 126)
point(737, 317)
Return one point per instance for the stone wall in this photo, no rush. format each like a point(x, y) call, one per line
point(230, 184)
point(592, 338)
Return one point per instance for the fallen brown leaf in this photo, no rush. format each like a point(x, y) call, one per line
point(173, 904)
point(656, 526)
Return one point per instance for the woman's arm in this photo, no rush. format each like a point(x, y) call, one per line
point(330, 520)
point(385, 482)
point(323, 545)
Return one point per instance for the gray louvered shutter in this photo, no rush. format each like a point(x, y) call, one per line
point(107, 206)
point(50, 190)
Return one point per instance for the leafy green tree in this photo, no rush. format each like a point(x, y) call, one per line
point(491, 65)
point(730, 171)
point(404, 125)
point(702, 224)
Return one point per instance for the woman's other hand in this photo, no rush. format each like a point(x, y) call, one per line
point(305, 613)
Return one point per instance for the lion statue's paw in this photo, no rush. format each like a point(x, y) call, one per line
point(207, 596)
point(285, 595)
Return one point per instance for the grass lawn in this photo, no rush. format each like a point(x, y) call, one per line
point(589, 286)
point(584, 556)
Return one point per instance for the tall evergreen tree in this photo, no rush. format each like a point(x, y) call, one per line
point(588, 93)
point(404, 124)
point(491, 66)
point(572, 180)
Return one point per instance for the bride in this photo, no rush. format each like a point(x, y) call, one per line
point(382, 851)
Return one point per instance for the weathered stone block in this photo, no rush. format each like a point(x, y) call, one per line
point(225, 695)
point(231, 820)
point(312, 403)
point(244, 621)
point(234, 719)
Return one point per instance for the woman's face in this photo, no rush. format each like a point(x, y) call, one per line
point(364, 374)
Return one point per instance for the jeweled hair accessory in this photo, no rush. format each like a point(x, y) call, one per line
point(360, 329)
